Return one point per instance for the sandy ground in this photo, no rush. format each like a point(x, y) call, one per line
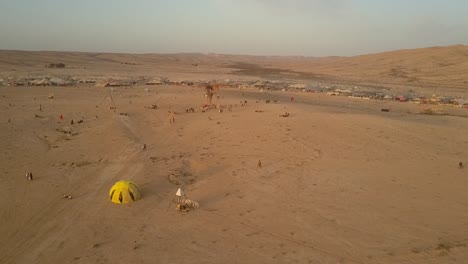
point(341, 181)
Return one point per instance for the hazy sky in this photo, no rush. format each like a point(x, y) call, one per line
point(259, 27)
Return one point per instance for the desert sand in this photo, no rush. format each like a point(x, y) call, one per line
point(340, 182)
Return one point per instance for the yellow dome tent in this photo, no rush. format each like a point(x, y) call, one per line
point(124, 192)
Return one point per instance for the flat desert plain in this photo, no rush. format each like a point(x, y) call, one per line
point(340, 181)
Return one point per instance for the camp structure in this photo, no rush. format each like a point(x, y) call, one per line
point(102, 83)
point(183, 204)
point(259, 84)
point(58, 82)
point(123, 192)
point(112, 83)
point(155, 81)
point(120, 83)
point(297, 86)
point(463, 103)
point(39, 82)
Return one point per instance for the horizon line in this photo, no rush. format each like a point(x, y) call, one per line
point(228, 54)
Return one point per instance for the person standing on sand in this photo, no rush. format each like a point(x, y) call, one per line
point(209, 93)
point(171, 117)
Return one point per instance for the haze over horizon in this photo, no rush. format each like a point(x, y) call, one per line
point(258, 27)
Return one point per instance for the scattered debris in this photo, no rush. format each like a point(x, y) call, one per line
point(430, 111)
point(220, 111)
point(460, 165)
point(205, 107)
point(81, 121)
point(385, 110)
point(51, 96)
point(29, 176)
point(267, 101)
point(112, 107)
point(123, 114)
point(144, 147)
point(55, 65)
point(275, 101)
point(292, 99)
point(259, 164)
point(190, 110)
point(285, 114)
point(184, 204)
point(153, 106)
point(67, 196)
point(61, 130)
point(259, 111)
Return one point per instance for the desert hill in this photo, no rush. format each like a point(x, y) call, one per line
point(442, 67)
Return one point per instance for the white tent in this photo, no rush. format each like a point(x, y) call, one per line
point(155, 81)
point(58, 82)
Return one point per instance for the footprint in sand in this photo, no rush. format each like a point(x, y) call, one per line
point(183, 175)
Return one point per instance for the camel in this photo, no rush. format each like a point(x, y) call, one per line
point(144, 147)
point(460, 165)
point(259, 164)
point(29, 176)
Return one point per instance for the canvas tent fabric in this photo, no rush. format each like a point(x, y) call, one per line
point(123, 192)
point(156, 81)
point(102, 83)
point(58, 82)
point(39, 82)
